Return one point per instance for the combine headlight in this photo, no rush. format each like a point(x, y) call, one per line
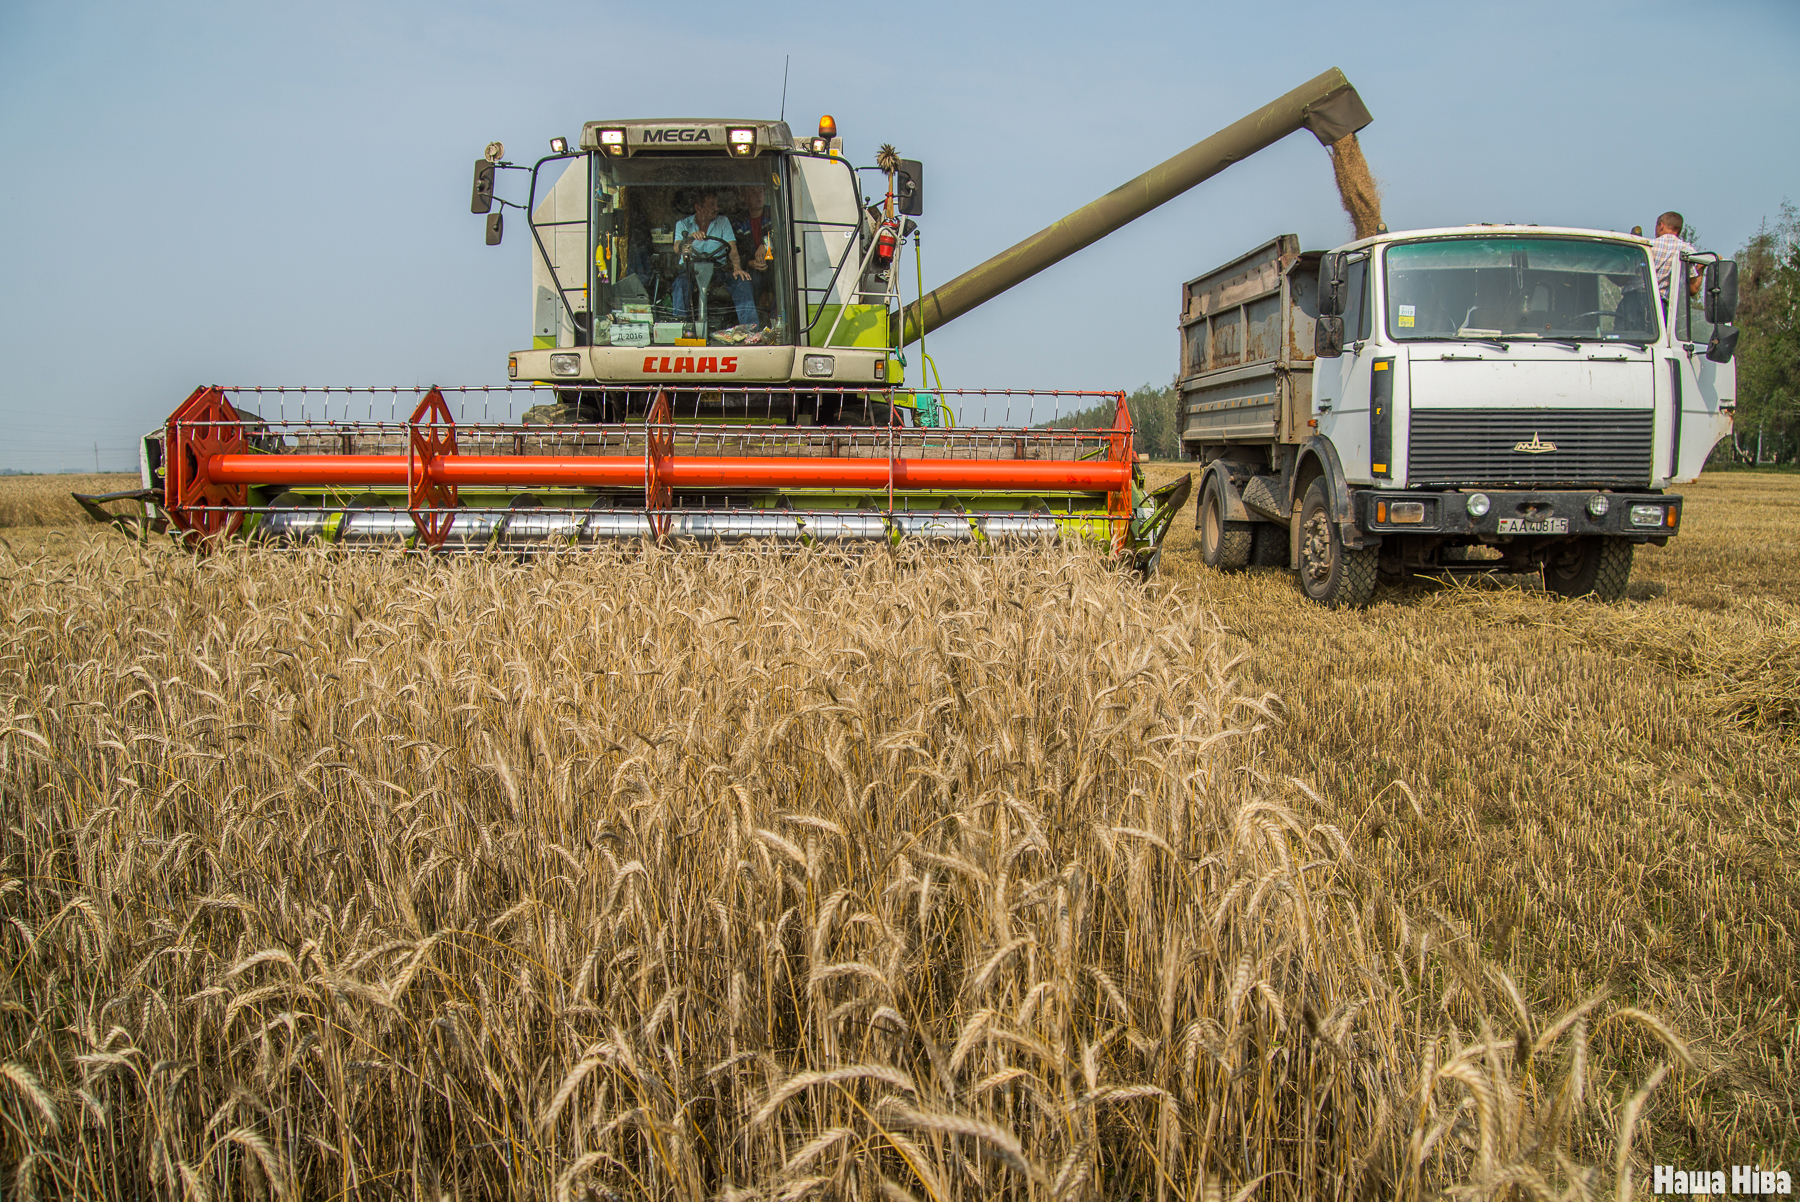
point(819, 365)
point(559, 146)
point(820, 145)
point(1478, 504)
point(1646, 515)
point(1599, 504)
point(612, 141)
point(741, 141)
point(565, 365)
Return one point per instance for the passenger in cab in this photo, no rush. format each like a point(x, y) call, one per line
point(707, 235)
point(755, 244)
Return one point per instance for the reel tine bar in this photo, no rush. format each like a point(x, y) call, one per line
point(430, 436)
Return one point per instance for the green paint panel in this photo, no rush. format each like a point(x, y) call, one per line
point(863, 325)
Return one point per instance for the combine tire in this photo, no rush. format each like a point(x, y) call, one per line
point(1332, 574)
point(1223, 545)
point(1590, 567)
point(1268, 546)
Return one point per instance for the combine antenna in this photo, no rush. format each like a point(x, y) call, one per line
point(785, 59)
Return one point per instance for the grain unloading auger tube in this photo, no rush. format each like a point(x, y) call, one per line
point(430, 482)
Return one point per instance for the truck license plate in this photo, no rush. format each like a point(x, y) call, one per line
point(1521, 526)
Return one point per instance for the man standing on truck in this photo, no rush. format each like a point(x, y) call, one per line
point(1666, 252)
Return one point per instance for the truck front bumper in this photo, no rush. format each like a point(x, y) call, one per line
point(1643, 517)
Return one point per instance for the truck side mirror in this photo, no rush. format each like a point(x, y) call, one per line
point(495, 226)
point(909, 184)
point(1721, 293)
point(482, 198)
point(1723, 345)
point(1328, 336)
point(1333, 276)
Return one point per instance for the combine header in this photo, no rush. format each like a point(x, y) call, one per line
point(431, 482)
point(718, 355)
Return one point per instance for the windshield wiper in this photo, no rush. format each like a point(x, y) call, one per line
point(1572, 343)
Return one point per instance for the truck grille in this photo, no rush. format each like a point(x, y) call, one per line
point(1476, 446)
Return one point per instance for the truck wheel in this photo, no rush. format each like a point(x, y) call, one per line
point(1268, 546)
point(1330, 573)
point(1223, 545)
point(1594, 566)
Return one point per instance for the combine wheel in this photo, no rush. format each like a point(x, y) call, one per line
point(1331, 573)
point(1594, 566)
point(1268, 546)
point(1224, 545)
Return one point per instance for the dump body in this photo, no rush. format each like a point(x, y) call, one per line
point(1247, 349)
point(1471, 398)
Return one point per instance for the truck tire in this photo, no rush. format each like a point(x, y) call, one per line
point(1224, 545)
point(1594, 566)
point(1268, 546)
point(1336, 576)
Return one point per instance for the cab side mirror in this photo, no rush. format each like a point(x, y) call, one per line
point(1334, 273)
point(495, 226)
point(1723, 345)
point(1328, 336)
point(909, 187)
point(1721, 292)
point(482, 199)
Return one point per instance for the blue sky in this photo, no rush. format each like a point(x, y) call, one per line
point(278, 194)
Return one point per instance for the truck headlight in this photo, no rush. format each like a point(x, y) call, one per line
point(565, 365)
point(1406, 512)
point(1478, 504)
point(1646, 515)
point(819, 365)
point(1599, 504)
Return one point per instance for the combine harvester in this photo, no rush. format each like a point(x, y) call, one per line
point(719, 352)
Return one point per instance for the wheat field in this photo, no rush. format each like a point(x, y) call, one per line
point(894, 875)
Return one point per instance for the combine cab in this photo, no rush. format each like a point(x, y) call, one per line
point(719, 354)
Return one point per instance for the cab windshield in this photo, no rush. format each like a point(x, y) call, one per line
point(1553, 289)
point(690, 242)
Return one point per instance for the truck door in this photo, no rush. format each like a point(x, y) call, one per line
point(1343, 403)
point(1705, 393)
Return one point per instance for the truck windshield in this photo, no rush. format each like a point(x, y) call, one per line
point(693, 242)
point(1520, 287)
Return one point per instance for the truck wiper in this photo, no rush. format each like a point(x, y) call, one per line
point(1572, 343)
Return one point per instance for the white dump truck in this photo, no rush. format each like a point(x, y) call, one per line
point(1487, 398)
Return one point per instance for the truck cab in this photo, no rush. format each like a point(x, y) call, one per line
point(1505, 397)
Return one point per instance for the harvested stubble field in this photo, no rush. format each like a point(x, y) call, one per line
point(892, 876)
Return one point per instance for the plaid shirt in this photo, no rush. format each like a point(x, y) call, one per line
point(1665, 252)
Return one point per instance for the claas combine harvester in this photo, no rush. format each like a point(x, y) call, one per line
point(719, 355)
